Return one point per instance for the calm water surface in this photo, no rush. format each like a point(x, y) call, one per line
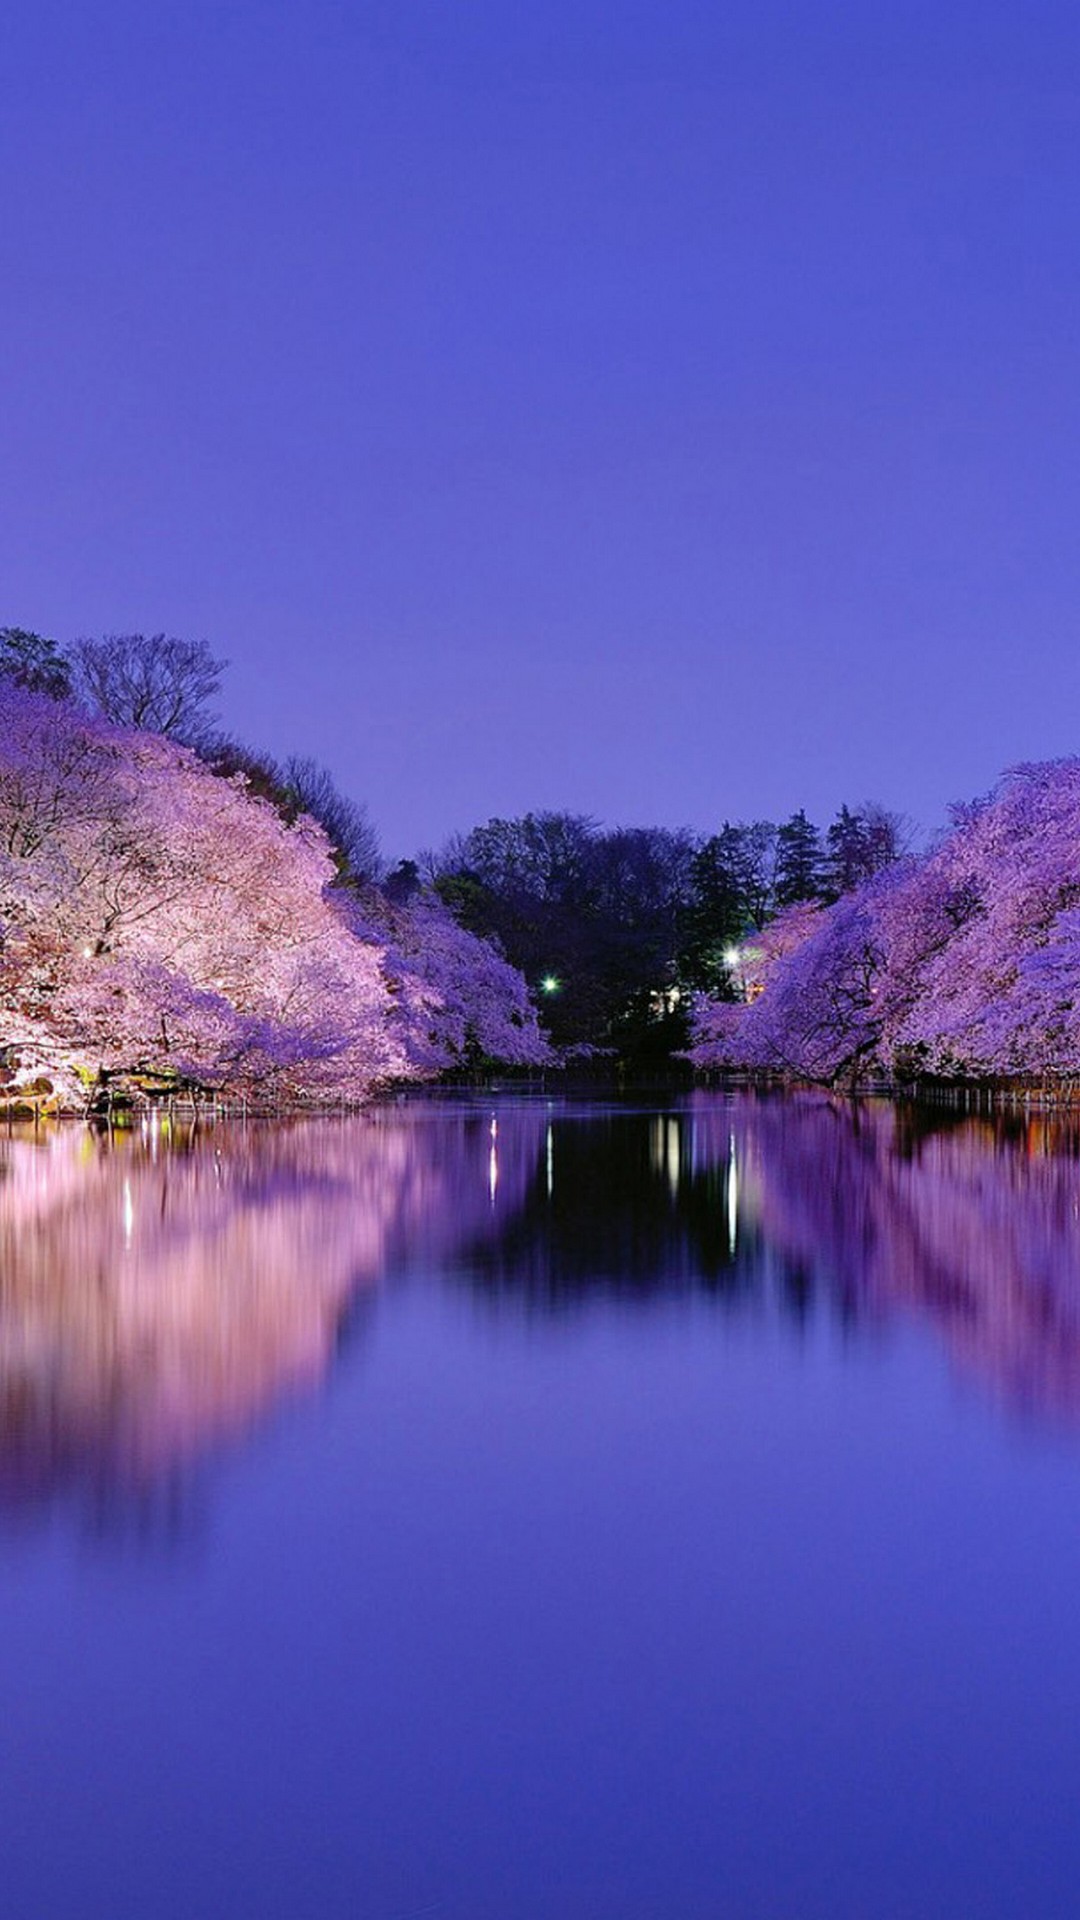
point(542, 1511)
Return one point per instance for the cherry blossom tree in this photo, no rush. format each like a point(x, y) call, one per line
point(457, 1000)
point(161, 920)
point(965, 962)
point(994, 992)
point(156, 916)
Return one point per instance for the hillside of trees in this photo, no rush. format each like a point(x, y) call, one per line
point(177, 908)
point(177, 904)
point(964, 963)
point(174, 910)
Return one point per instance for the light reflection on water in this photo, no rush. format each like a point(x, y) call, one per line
point(627, 1551)
point(160, 1291)
point(970, 1227)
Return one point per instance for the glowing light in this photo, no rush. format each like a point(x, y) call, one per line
point(673, 1157)
point(550, 983)
point(731, 956)
point(88, 953)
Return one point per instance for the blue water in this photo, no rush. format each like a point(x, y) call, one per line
point(625, 1513)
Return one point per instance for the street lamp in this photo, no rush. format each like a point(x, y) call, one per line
point(732, 958)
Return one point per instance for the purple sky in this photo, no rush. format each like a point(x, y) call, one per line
point(662, 410)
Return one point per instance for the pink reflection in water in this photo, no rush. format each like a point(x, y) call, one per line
point(973, 1226)
point(159, 1292)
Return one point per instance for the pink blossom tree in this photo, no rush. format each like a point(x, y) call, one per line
point(163, 919)
point(964, 963)
point(158, 916)
point(457, 1001)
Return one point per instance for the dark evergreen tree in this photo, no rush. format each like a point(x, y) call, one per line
point(846, 852)
point(30, 660)
point(731, 887)
point(859, 844)
point(800, 861)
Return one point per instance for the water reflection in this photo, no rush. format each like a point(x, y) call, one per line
point(161, 1293)
point(972, 1225)
point(630, 1204)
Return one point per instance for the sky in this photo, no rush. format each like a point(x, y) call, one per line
point(666, 409)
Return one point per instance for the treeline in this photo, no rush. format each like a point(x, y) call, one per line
point(155, 683)
point(617, 930)
point(175, 910)
point(546, 928)
point(174, 903)
point(961, 964)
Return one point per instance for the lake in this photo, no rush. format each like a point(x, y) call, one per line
point(536, 1509)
